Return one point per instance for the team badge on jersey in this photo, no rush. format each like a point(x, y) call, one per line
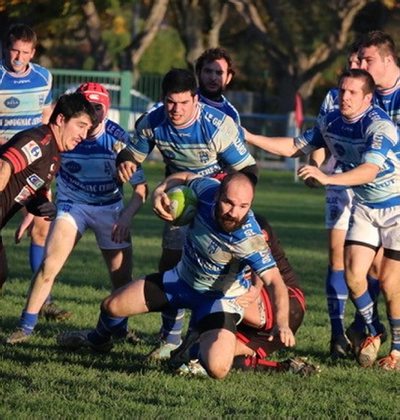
point(35, 182)
point(23, 196)
point(32, 151)
point(203, 157)
point(12, 102)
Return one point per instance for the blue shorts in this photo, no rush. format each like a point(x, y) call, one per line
point(179, 294)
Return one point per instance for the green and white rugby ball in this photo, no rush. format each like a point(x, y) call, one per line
point(183, 204)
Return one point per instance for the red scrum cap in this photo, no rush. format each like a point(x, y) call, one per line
point(97, 93)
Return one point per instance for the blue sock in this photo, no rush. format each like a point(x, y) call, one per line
point(365, 307)
point(106, 327)
point(395, 330)
point(337, 294)
point(36, 254)
point(122, 329)
point(27, 322)
point(374, 290)
point(172, 324)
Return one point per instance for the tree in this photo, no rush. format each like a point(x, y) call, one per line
point(300, 39)
point(199, 24)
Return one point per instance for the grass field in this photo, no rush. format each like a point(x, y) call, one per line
point(39, 380)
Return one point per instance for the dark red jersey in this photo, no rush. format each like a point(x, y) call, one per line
point(286, 270)
point(34, 158)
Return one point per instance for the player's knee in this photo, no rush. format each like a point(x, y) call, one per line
point(218, 369)
point(110, 306)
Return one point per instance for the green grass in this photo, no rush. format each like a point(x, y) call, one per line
point(38, 379)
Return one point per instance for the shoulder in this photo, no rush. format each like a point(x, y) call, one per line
point(41, 71)
point(153, 118)
point(115, 130)
point(376, 112)
point(205, 188)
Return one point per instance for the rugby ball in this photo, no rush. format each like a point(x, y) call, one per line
point(183, 204)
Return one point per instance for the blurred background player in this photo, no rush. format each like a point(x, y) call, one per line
point(191, 136)
point(214, 70)
point(88, 197)
point(25, 102)
point(30, 160)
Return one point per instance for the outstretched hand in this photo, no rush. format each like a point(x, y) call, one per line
point(309, 172)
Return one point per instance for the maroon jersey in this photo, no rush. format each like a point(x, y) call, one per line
point(257, 338)
point(34, 158)
point(286, 270)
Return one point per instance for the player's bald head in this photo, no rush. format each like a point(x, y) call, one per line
point(238, 181)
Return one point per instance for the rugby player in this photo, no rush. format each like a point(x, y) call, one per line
point(364, 140)
point(25, 102)
point(88, 197)
point(30, 160)
point(222, 240)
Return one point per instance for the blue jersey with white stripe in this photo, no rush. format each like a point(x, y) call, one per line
point(331, 102)
point(389, 100)
point(88, 172)
point(209, 142)
point(223, 105)
point(213, 260)
point(22, 98)
point(370, 138)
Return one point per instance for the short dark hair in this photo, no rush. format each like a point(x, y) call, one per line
point(20, 32)
point(73, 105)
point(178, 81)
point(213, 54)
point(369, 84)
point(382, 40)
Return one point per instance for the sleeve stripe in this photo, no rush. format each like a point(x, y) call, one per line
point(16, 159)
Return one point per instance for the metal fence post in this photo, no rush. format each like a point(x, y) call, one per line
point(125, 98)
point(292, 131)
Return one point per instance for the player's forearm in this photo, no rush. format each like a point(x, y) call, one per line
point(279, 296)
point(174, 180)
point(139, 196)
point(281, 300)
point(280, 146)
point(363, 174)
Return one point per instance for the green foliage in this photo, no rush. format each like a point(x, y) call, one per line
point(40, 380)
point(166, 51)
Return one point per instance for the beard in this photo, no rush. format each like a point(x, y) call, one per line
point(213, 95)
point(230, 224)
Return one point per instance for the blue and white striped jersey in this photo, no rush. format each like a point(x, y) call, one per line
point(370, 138)
point(22, 98)
point(88, 172)
point(223, 105)
point(209, 142)
point(389, 100)
point(213, 260)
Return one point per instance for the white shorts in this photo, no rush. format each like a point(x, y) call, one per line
point(174, 236)
point(100, 219)
point(338, 207)
point(375, 227)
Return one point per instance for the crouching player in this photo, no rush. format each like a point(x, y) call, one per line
point(222, 240)
point(254, 340)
